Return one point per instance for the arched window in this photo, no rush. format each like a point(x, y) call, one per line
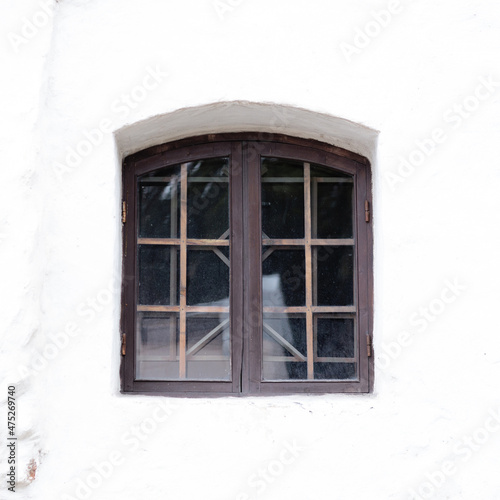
point(247, 268)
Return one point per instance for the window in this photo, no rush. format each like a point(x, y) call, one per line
point(247, 268)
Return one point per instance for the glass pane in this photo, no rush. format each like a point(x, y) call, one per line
point(156, 352)
point(208, 276)
point(277, 167)
point(335, 337)
point(283, 277)
point(282, 198)
point(334, 276)
point(158, 275)
point(205, 215)
point(335, 371)
point(284, 347)
point(158, 197)
point(211, 167)
point(208, 198)
point(208, 347)
point(329, 215)
point(332, 195)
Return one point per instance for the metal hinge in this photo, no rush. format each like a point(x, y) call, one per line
point(369, 346)
point(367, 211)
point(124, 212)
point(124, 344)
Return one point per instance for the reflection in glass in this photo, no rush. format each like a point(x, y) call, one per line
point(187, 203)
point(284, 347)
point(283, 277)
point(158, 197)
point(156, 351)
point(208, 347)
point(158, 265)
point(304, 275)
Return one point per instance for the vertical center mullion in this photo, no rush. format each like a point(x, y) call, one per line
point(314, 234)
point(308, 257)
point(183, 274)
point(173, 269)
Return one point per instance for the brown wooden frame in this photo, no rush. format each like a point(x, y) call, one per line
point(244, 151)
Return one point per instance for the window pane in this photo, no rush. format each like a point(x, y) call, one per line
point(282, 198)
point(283, 277)
point(207, 199)
point(334, 277)
point(158, 275)
point(332, 195)
point(208, 276)
point(335, 371)
point(335, 348)
point(277, 167)
point(335, 337)
point(284, 347)
point(158, 195)
point(327, 281)
point(157, 341)
point(208, 347)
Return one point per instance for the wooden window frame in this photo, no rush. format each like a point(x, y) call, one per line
point(245, 151)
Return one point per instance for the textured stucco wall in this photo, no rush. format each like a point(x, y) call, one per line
point(412, 84)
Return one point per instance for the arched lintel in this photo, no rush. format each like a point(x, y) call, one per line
point(244, 116)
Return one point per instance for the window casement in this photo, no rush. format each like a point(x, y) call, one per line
point(247, 266)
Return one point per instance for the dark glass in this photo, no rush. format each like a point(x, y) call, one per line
point(335, 337)
point(319, 171)
point(283, 278)
point(278, 167)
point(157, 341)
point(212, 167)
point(332, 195)
point(207, 199)
point(157, 263)
point(334, 276)
point(283, 271)
point(208, 347)
point(283, 337)
point(207, 276)
point(282, 199)
point(334, 205)
point(159, 203)
point(335, 371)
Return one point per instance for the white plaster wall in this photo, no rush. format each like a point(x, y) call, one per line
point(60, 233)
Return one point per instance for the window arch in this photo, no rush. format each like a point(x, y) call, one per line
point(248, 267)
